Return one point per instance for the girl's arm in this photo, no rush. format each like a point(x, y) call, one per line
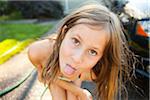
point(57, 92)
point(38, 53)
point(70, 95)
point(82, 94)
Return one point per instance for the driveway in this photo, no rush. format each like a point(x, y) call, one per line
point(14, 70)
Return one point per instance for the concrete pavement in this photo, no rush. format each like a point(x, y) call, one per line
point(16, 69)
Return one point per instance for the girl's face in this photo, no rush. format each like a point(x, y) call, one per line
point(81, 49)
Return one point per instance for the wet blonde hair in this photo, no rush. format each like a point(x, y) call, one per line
point(113, 69)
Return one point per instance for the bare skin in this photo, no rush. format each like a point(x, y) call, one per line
point(38, 54)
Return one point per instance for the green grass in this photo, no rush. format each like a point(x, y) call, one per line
point(15, 37)
point(23, 31)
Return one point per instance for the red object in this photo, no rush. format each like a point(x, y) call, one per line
point(140, 31)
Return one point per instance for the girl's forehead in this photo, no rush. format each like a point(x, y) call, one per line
point(90, 25)
point(93, 24)
point(84, 20)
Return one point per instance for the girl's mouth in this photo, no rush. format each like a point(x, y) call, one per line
point(69, 69)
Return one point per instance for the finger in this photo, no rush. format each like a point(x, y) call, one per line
point(70, 87)
point(71, 96)
point(77, 82)
point(83, 94)
point(57, 92)
point(88, 94)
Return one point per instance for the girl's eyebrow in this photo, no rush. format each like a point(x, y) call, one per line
point(96, 48)
point(79, 37)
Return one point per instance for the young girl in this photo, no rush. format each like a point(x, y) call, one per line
point(89, 46)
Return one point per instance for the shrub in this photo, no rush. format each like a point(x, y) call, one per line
point(38, 9)
point(3, 8)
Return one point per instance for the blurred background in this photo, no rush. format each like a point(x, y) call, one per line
point(23, 22)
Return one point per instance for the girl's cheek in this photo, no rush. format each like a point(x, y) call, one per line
point(67, 47)
point(91, 63)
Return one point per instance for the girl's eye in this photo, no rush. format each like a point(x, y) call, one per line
point(75, 41)
point(92, 52)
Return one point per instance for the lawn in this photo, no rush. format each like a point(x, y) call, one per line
point(23, 31)
point(15, 37)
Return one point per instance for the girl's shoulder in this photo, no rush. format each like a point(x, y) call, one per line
point(39, 51)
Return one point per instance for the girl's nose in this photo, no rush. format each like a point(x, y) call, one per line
point(78, 56)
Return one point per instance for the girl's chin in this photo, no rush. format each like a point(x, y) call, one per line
point(70, 77)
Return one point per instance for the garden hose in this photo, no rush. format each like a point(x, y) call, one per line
point(43, 93)
point(11, 88)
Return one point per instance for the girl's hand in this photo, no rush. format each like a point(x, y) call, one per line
point(81, 94)
point(57, 92)
point(70, 95)
point(86, 95)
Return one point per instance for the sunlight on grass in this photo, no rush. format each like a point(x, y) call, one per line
point(23, 31)
point(15, 37)
point(9, 50)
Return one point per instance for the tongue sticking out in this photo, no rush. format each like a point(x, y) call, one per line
point(69, 70)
